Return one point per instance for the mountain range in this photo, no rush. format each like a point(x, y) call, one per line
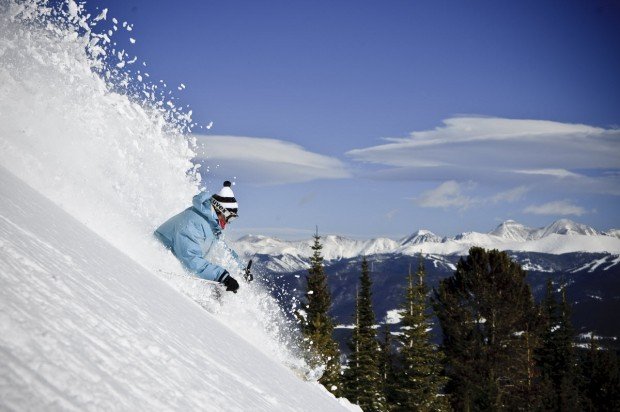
point(574, 256)
point(561, 236)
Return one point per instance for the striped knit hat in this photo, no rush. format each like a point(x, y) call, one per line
point(226, 198)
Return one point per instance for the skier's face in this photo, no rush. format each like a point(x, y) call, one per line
point(222, 220)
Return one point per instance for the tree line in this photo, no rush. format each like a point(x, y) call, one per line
point(500, 349)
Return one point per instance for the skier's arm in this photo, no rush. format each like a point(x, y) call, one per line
point(235, 256)
point(189, 252)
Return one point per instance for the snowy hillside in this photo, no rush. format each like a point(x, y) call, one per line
point(94, 313)
point(562, 236)
point(82, 327)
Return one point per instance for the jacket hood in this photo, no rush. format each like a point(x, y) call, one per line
point(202, 203)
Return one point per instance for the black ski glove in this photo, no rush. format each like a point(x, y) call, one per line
point(231, 284)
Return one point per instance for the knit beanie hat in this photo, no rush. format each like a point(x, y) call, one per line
point(226, 198)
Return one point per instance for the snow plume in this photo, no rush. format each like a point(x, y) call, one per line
point(74, 126)
point(82, 126)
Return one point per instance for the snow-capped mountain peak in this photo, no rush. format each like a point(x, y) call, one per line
point(511, 230)
point(421, 236)
point(612, 232)
point(566, 227)
point(378, 246)
point(562, 236)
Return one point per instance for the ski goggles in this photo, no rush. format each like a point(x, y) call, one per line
point(228, 215)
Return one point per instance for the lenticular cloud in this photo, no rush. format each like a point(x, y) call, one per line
point(505, 144)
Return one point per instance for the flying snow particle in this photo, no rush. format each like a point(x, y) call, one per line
point(102, 16)
point(132, 40)
point(73, 9)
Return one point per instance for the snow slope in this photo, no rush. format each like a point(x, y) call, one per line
point(69, 130)
point(82, 324)
point(84, 327)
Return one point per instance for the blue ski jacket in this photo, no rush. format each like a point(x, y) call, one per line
point(192, 235)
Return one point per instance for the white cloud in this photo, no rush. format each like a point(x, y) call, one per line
point(451, 194)
point(267, 161)
point(391, 214)
point(558, 208)
point(559, 173)
point(446, 195)
point(511, 195)
point(514, 151)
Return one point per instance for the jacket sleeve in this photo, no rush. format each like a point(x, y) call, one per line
point(188, 250)
point(237, 258)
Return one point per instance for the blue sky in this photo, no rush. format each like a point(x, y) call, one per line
point(374, 118)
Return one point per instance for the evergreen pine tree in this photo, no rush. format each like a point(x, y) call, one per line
point(485, 309)
point(600, 378)
point(421, 380)
point(350, 374)
point(387, 368)
point(362, 377)
point(556, 356)
point(318, 326)
point(526, 350)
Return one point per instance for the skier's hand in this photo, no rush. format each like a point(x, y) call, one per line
point(231, 284)
point(248, 276)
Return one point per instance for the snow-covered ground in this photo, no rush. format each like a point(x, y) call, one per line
point(94, 313)
point(84, 327)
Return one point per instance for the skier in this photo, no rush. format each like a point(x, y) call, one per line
point(193, 234)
